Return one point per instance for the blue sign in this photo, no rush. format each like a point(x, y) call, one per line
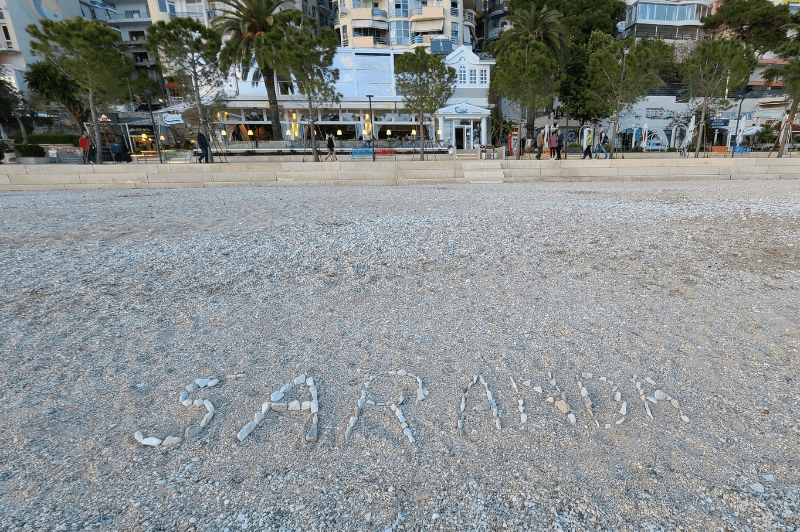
point(461, 110)
point(720, 122)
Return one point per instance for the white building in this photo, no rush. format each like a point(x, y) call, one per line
point(365, 72)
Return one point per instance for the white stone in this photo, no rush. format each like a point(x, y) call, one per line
point(315, 406)
point(266, 407)
point(647, 408)
point(769, 478)
point(402, 372)
point(571, 417)
point(526, 383)
point(513, 384)
point(660, 395)
point(286, 387)
point(300, 379)
point(620, 420)
point(420, 394)
point(202, 383)
point(584, 392)
point(652, 399)
point(259, 417)
point(245, 432)
point(212, 383)
point(586, 375)
point(294, 405)
point(151, 442)
point(191, 387)
point(310, 382)
point(624, 409)
point(198, 402)
point(206, 419)
point(550, 400)
point(305, 405)
point(184, 396)
point(392, 407)
point(276, 396)
point(537, 389)
point(618, 397)
point(171, 440)
point(675, 403)
point(552, 382)
point(482, 381)
point(497, 423)
point(523, 418)
point(757, 487)
point(353, 420)
point(139, 436)
point(187, 402)
point(651, 381)
point(208, 405)
point(685, 419)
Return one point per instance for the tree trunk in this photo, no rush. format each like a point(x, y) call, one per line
point(613, 138)
point(3, 132)
point(201, 116)
point(313, 137)
point(22, 128)
point(268, 75)
point(421, 136)
point(790, 121)
point(701, 127)
point(98, 138)
point(519, 133)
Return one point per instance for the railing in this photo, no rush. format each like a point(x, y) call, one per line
point(454, 11)
point(336, 20)
point(381, 40)
point(419, 39)
point(426, 39)
point(469, 16)
point(379, 13)
point(494, 33)
point(345, 42)
point(134, 42)
point(116, 19)
point(454, 40)
point(415, 11)
point(665, 35)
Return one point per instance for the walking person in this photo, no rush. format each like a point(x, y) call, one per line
point(587, 151)
point(202, 144)
point(83, 142)
point(559, 143)
point(553, 143)
point(540, 144)
point(331, 148)
point(601, 144)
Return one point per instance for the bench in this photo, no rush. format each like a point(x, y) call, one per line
point(717, 151)
point(362, 153)
point(386, 152)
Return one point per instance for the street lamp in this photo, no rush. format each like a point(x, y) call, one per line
point(250, 134)
point(224, 135)
point(372, 119)
point(147, 95)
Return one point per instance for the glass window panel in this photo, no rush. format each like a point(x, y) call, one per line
point(690, 12)
point(642, 12)
point(661, 12)
point(484, 76)
point(473, 77)
point(462, 74)
point(682, 13)
point(672, 12)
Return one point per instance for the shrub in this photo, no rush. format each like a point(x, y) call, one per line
point(2, 150)
point(30, 150)
point(575, 145)
point(49, 138)
point(672, 149)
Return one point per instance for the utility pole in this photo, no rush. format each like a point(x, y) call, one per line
point(153, 121)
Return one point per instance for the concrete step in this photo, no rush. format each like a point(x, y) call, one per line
point(65, 157)
point(484, 175)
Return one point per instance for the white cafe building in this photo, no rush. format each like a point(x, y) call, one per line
point(365, 72)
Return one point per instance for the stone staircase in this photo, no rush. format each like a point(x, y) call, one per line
point(482, 171)
point(65, 157)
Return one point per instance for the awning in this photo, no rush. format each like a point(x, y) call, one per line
point(752, 130)
point(427, 26)
point(364, 23)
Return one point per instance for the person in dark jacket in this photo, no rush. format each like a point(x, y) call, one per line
point(202, 145)
point(331, 149)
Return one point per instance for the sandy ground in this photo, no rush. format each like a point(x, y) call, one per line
point(112, 302)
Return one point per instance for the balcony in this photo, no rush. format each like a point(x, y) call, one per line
point(379, 13)
point(188, 14)
point(495, 33)
point(122, 19)
point(665, 35)
point(426, 39)
point(369, 41)
point(377, 24)
point(469, 17)
point(454, 11)
point(426, 13)
point(134, 42)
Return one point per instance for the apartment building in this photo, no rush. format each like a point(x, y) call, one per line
point(441, 25)
point(16, 15)
point(668, 20)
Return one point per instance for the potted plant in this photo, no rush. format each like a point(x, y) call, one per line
point(31, 154)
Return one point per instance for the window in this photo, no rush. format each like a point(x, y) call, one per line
point(454, 31)
point(661, 12)
point(473, 77)
point(401, 8)
point(6, 34)
point(672, 13)
point(462, 75)
point(400, 33)
point(484, 76)
point(162, 6)
point(132, 14)
point(137, 36)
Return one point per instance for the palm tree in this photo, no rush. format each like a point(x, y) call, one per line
point(251, 26)
point(544, 25)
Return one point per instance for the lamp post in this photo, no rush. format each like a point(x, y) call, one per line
point(147, 95)
point(566, 130)
point(224, 136)
point(250, 134)
point(738, 118)
point(371, 119)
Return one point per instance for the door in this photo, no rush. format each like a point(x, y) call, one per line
point(460, 137)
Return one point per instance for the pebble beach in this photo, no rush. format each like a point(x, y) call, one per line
point(542, 356)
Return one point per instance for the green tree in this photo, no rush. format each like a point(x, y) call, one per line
point(188, 51)
point(766, 135)
point(255, 31)
point(622, 73)
point(86, 54)
point(49, 82)
point(11, 101)
point(716, 67)
point(530, 24)
point(584, 105)
point(306, 59)
point(759, 23)
point(426, 84)
point(788, 73)
point(581, 17)
point(524, 74)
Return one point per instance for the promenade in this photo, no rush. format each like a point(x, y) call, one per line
point(390, 173)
